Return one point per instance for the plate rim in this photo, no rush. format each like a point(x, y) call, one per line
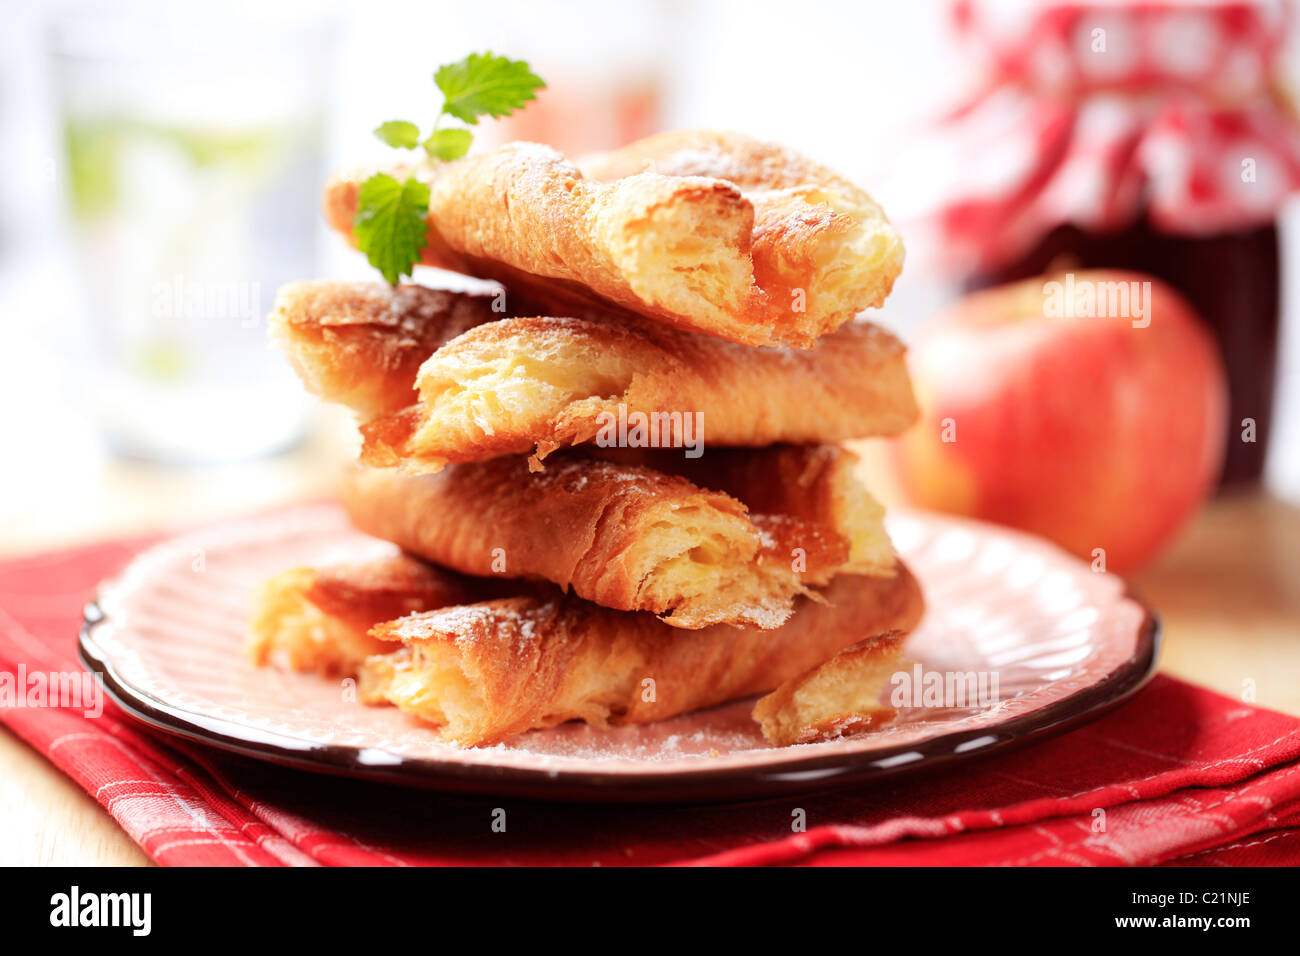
point(703, 785)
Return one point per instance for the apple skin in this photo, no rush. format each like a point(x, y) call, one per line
point(1088, 431)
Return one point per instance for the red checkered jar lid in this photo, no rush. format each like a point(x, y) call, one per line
point(1095, 114)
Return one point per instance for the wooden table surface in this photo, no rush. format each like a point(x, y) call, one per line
point(1228, 592)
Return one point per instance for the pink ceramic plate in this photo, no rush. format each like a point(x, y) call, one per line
point(1064, 643)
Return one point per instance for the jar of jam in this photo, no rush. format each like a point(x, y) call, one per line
point(1147, 136)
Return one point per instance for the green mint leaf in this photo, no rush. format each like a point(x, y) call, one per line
point(399, 134)
point(390, 223)
point(448, 143)
point(484, 84)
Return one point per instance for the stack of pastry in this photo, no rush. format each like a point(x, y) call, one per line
point(547, 573)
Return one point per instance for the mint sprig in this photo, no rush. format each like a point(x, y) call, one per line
point(448, 143)
point(399, 134)
point(389, 222)
point(484, 84)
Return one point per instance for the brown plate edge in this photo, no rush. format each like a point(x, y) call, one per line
point(796, 775)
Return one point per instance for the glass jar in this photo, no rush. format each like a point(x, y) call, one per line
point(193, 156)
point(1142, 136)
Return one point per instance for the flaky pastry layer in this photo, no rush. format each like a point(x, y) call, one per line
point(816, 234)
point(485, 672)
point(361, 343)
point(537, 384)
point(840, 697)
point(814, 483)
point(760, 245)
point(316, 619)
point(622, 536)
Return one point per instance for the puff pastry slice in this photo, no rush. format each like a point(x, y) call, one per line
point(316, 619)
point(526, 385)
point(814, 483)
point(361, 343)
point(760, 246)
point(625, 537)
point(486, 672)
point(838, 698)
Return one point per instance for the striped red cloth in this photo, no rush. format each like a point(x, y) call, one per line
point(1178, 776)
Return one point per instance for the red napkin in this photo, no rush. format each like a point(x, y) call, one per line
point(1179, 775)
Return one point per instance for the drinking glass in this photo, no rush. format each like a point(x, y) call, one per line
point(193, 150)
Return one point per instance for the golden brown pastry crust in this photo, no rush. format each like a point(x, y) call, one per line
point(834, 699)
point(624, 537)
point(316, 619)
point(751, 164)
point(361, 343)
point(801, 209)
point(486, 672)
point(692, 251)
point(392, 587)
point(814, 483)
point(536, 384)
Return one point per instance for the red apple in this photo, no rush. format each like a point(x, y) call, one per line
point(1099, 431)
